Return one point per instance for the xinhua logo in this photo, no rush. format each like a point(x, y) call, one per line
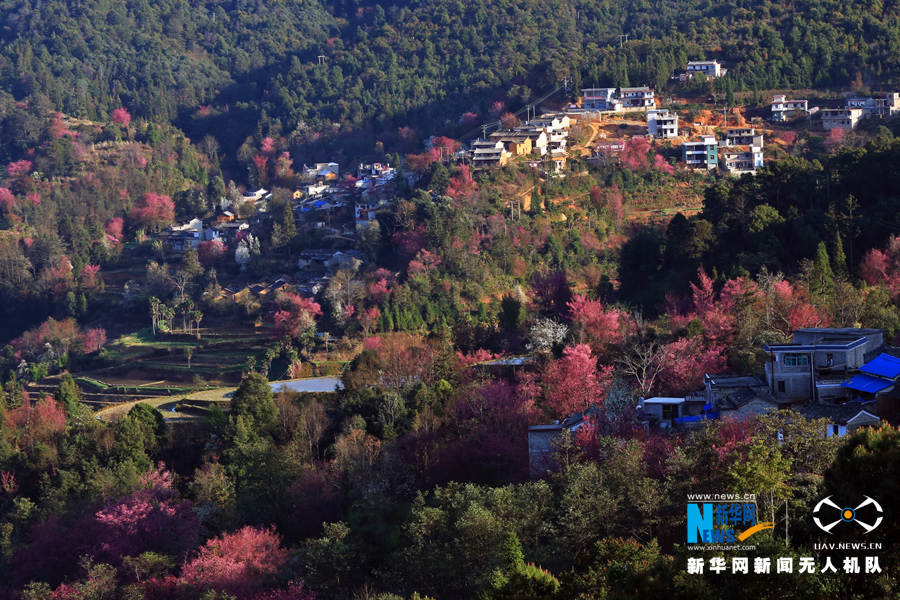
point(709, 523)
point(847, 515)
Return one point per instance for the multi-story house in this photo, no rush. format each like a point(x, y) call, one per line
point(550, 123)
point(489, 153)
point(817, 363)
point(701, 155)
point(783, 108)
point(516, 143)
point(710, 68)
point(539, 139)
point(661, 124)
point(738, 160)
point(742, 136)
point(189, 235)
point(600, 99)
point(882, 106)
point(637, 98)
point(841, 118)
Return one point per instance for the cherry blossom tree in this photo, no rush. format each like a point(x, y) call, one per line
point(881, 267)
point(685, 362)
point(593, 323)
point(154, 211)
point(368, 318)
point(573, 383)
point(211, 252)
point(122, 117)
point(238, 563)
point(296, 315)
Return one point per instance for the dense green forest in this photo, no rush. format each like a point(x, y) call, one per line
point(397, 73)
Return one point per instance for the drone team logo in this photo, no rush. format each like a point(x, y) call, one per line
point(847, 515)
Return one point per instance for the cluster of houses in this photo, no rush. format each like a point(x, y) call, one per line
point(543, 139)
point(740, 152)
point(316, 268)
point(849, 116)
point(845, 376)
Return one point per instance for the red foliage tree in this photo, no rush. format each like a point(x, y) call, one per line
point(418, 163)
point(41, 422)
point(154, 212)
point(62, 336)
point(685, 361)
point(7, 199)
point(492, 421)
point(379, 290)
point(573, 383)
point(93, 340)
point(260, 161)
point(597, 325)
point(614, 203)
point(114, 229)
point(148, 520)
point(368, 318)
point(296, 315)
point(19, 168)
point(90, 277)
point(410, 242)
point(238, 563)
point(881, 267)
point(121, 116)
point(461, 185)
point(211, 252)
point(636, 154)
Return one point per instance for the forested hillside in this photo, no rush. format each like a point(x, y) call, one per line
point(399, 72)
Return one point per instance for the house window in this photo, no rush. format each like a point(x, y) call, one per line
point(829, 359)
point(835, 430)
point(796, 360)
point(668, 412)
point(781, 387)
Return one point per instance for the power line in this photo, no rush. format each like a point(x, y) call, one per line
point(519, 112)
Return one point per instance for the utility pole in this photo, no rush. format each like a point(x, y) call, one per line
point(484, 132)
point(447, 148)
point(623, 37)
point(322, 58)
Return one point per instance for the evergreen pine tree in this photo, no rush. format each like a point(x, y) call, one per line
point(839, 259)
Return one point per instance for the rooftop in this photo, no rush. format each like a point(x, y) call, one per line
point(838, 413)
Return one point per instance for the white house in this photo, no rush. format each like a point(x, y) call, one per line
point(841, 118)
point(603, 99)
point(737, 160)
point(489, 153)
point(781, 107)
point(710, 68)
point(637, 98)
point(661, 124)
point(703, 154)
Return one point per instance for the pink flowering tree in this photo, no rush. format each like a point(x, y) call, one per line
point(595, 324)
point(90, 277)
point(574, 382)
point(368, 318)
point(881, 267)
point(238, 563)
point(154, 211)
point(295, 316)
point(122, 117)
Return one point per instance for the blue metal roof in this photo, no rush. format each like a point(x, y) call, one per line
point(884, 365)
point(867, 383)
